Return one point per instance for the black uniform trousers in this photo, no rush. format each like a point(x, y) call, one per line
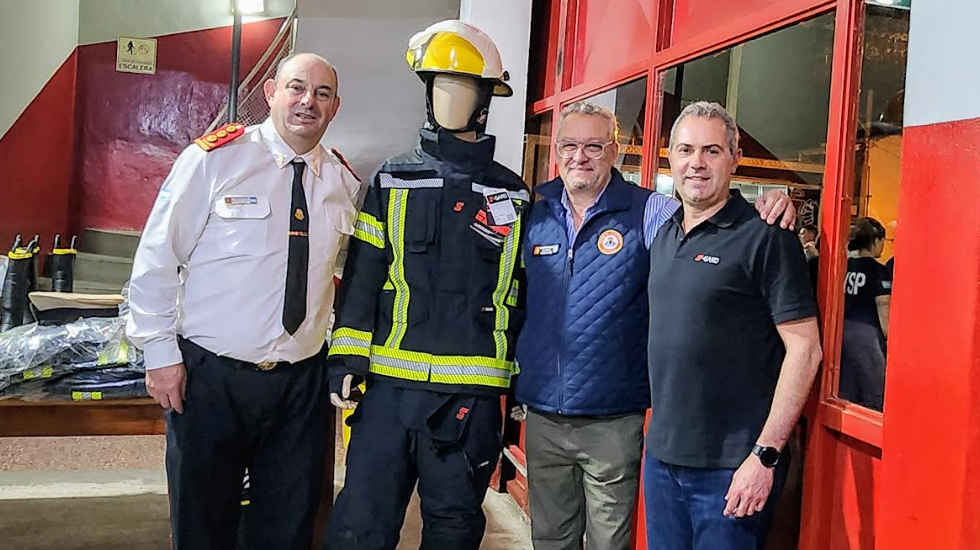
point(449, 443)
point(236, 416)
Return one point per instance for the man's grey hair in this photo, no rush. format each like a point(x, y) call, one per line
point(294, 55)
point(590, 109)
point(709, 110)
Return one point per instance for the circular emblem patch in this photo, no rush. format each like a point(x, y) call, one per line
point(610, 242)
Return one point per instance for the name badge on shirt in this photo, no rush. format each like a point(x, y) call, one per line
point(544, 249)
point(501, 208)
point(242, 206)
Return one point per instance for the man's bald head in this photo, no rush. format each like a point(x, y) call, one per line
point(302, 99)
point(301, 56)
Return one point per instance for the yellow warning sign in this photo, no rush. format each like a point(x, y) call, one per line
point(136, 55)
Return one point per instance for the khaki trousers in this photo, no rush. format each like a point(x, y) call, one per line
point(583, 476)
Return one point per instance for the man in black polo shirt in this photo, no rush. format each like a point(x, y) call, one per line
point(733, 350)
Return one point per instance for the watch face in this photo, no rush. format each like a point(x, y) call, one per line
point(769, 457)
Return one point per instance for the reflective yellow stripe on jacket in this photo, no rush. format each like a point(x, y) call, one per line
point(349, 341)
point(508, 259)
point(396, 273)
point(368, 229)
point(444, 369)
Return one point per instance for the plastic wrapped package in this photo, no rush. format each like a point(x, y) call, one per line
point(117, 382)
point(35, 359)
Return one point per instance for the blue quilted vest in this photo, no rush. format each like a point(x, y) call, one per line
point(582, 350)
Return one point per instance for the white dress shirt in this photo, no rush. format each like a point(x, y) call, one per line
point(222, 217)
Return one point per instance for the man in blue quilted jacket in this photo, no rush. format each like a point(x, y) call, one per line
point(582, 351)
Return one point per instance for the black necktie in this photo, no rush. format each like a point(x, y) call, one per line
point(294, 308)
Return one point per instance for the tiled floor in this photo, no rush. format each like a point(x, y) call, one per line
point(109, 492)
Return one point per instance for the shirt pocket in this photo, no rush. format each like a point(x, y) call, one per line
point(242, 224)
point(329, 240)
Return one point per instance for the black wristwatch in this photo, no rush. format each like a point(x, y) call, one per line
point(768, 456)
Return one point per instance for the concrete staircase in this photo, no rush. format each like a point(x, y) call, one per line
point(104, 261)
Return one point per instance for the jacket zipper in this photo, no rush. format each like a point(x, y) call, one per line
point(566, 279)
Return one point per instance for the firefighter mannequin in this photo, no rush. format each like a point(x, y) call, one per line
point(428, 311)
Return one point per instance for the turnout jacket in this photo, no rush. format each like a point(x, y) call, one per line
point(430, 295)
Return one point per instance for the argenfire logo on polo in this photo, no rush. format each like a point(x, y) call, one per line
point(704, 258)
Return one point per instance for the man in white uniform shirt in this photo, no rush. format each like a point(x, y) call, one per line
point(231, 295)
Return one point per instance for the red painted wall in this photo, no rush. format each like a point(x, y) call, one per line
point(930, 493)
point(37, 158)
point(693, 17)
point(610, 37)
point(131, 126)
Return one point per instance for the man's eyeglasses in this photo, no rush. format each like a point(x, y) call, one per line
point(592, 149)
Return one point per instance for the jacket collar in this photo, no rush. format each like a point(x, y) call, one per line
point(446, 147)
point(614, 197)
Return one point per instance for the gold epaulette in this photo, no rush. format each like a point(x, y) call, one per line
point(346, 164)
point(222, 135)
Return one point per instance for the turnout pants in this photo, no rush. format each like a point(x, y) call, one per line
point(236, 416)
point(448, 443)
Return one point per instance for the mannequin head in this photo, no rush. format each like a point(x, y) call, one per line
point(456, 101)
point(454, 98)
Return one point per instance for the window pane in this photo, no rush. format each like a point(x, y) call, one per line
point(874, 208)
point(628, 102)
point(543, 51)
point(537, 147)
point(777, 87)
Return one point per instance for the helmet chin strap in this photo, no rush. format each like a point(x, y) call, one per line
point(478, 118)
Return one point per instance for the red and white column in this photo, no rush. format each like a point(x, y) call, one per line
point(930, 486)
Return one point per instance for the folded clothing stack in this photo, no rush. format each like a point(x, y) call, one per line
point(88, 359)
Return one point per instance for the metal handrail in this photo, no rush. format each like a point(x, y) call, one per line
point(246, 85)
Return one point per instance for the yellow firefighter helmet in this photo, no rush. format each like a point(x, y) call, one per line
point(458, 48)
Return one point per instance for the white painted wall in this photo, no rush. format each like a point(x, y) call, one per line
point(508, 22)
point(383, 102)
point(943, 79)
point(105, 20)
point(35, 39)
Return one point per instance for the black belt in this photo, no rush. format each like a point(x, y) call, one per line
point(263, 366)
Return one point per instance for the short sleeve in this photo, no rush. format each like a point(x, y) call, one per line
point(883, 281)
point(783, 277)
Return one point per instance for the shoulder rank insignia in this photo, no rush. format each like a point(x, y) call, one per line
point(343, 161)
point(220, 136)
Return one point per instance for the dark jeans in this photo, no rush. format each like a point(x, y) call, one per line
point(274, 423)
point(684, 508)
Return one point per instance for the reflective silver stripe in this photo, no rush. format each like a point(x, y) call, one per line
point(387, 181)
point(467, 370)
point(504, 276)
point(350, 341)
point(369, 229)
point(396, 271)
point(400, 363)
point(521, 195)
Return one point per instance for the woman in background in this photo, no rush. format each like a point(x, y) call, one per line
point(867, 293)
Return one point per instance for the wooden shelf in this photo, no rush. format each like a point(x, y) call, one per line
point(74, 418)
